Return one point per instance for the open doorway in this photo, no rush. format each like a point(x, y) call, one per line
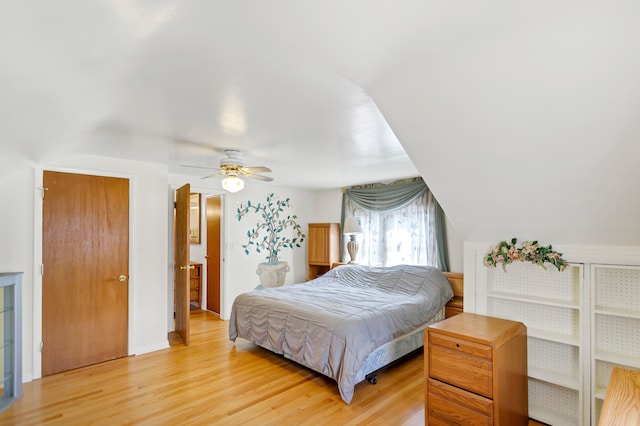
point(205, 261)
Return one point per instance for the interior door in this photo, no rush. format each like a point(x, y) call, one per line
point(213, 253)
point(85, 253)
point(181, 263)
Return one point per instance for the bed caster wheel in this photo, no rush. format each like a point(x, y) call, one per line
point(373, 379)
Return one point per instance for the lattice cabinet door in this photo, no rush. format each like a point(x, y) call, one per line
point(550, 303)
point(10, 338)
point(615, 326)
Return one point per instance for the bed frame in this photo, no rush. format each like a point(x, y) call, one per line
point(456, 305)
point(404, 345)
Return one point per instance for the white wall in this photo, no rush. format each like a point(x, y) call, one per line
point(329, 206)
point(16, 251)
point(522, 117)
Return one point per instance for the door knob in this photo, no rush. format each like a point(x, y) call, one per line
point(122, 278)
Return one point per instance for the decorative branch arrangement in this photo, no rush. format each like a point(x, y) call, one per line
point(506, 252)
point(270, 227)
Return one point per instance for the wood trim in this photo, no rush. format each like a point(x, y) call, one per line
point(456, 305)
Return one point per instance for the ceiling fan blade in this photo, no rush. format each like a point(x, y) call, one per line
point(220, 173)
point(256, 169)
point(255, 176)
point(200, 167)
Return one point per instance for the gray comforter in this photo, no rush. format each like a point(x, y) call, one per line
point(332, 323)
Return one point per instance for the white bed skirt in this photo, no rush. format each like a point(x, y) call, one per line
point(395, 349)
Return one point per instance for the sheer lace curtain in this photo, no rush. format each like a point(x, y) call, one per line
point(402, 224)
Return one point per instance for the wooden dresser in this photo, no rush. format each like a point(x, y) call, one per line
point(476, 371)
point(323, 243)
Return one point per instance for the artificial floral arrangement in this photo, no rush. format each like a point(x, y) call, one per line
point(271, 225)
point(506, 252)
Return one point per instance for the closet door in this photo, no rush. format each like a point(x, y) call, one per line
point(85, 285)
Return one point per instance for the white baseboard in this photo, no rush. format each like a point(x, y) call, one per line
point(152, 348)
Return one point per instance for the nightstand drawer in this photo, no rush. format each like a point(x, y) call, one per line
point(449, 405)
point(461, 345)
point(461, 363)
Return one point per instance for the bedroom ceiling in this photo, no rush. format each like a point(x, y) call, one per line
point(521, 116)
point(176, 82)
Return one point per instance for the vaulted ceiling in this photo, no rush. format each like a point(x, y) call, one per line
point(177, 82)
point(521, 116)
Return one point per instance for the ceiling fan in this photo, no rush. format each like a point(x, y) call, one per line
point(233, 166)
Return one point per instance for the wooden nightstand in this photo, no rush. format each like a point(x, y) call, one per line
point(476, 371)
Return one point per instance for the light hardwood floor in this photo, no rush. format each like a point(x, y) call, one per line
point(215, 381)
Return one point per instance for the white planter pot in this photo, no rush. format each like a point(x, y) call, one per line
point(272, 274)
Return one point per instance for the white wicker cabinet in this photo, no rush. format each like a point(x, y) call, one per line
point(551, 305)
point(615, 326)
point(580, 324)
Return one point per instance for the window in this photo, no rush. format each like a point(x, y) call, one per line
point(402, 224)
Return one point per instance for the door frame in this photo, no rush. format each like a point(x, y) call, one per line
point(37, 257)
point(205, 193)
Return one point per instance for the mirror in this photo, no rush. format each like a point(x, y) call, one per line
point(194, 218)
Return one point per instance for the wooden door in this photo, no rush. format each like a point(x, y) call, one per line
point(181, 263)
point(213, 253)
point(85, 253)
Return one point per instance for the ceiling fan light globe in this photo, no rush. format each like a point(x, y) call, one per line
point(232, 184)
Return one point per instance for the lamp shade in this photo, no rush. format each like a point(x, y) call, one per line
point(232, 184)
point(352, 225)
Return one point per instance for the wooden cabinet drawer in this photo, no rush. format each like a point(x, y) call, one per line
point(461, 363)
point(461, 345)
point(449, 405)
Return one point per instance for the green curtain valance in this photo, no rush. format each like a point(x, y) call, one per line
point(387, 197)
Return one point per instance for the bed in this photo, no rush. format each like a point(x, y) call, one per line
point(347, 323)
